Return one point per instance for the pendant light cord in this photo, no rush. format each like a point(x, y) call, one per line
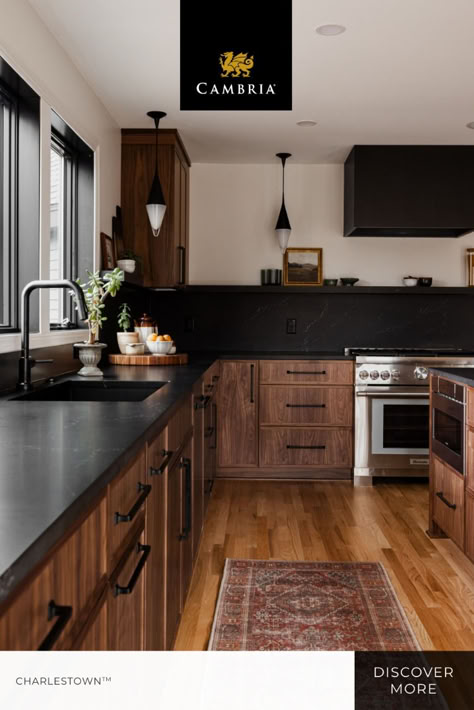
point(157, 121)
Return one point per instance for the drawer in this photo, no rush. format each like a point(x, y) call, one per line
point(179, 425)
point(126, 501)
point(306, 405)
point(282, 446)
point(448, 501)
point(470, 525)
point(306, 372)
point(470, 459)
point(449, 389)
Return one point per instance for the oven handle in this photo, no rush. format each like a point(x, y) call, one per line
point(418, 395)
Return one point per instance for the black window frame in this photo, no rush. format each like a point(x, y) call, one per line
point(9, 209)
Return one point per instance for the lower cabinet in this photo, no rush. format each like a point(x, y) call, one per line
point(448, 500)
point(469, 542)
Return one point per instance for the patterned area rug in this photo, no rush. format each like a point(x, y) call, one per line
point(309, 606)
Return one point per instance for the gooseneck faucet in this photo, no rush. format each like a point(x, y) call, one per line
point(27, 362)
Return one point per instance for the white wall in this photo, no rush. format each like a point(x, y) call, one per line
point(233, 213)
point(28, 46)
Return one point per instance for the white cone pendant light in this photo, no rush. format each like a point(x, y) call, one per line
point(283, 227)
point(156, 205)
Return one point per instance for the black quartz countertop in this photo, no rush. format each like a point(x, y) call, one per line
point(57, 457)
point(464, 375)
point(279, 355)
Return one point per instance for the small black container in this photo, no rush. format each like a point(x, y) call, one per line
point(270, 277)
point(424, 281)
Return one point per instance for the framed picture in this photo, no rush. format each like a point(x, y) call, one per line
point(108, 251)
point(303, 267)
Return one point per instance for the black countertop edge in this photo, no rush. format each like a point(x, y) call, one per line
point(269, 355)
point(464, 375)
point(21, 566)
point(339, 290)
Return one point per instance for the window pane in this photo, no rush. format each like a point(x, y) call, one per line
point(56, 235)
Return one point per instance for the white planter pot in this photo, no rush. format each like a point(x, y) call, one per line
point(90, 355)
point(125, 339)
point(127, 265)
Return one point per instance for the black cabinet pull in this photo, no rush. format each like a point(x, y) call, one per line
point(186, 464)
point(252, 372)
point(302, 406)
point(301, 372)
point(214, 408)
point(161, 469)
point(446, 501)
point(145, 492)
point(209, 432)
point(63, 613)
point(136, 573)
point(294, 446)
point(215, 378)
point(182, 266)
point(210, 486)
point(202, 402)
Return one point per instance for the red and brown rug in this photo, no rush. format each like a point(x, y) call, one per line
point(308, 606)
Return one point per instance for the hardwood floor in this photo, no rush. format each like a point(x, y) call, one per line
point(335, 521)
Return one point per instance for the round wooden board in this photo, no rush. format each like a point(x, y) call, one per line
point(177, 359)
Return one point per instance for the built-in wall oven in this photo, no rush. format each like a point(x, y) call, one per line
point(447, 428)
point(392, 416)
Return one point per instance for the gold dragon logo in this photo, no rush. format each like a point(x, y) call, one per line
point(235, 64)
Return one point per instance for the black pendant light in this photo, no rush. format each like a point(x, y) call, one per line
point(156, 205)
point(283, 227)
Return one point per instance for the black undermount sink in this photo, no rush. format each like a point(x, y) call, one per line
point(97, 391)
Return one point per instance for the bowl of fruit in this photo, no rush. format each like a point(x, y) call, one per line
point(159, 344)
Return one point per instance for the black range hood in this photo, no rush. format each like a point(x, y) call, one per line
point(409, 191)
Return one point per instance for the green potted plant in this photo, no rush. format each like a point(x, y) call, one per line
point(124, 320)
point(96, 290)
point(128, 261)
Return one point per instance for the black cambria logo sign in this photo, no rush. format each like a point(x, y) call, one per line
point(236, 59)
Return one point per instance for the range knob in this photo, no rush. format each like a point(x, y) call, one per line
point(385, 375)
point(396, 374)
point(421, 373)
point(363, 374)
point(374, 375)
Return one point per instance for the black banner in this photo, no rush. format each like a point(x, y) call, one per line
point(236, 56)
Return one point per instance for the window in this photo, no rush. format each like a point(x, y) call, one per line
point(8, 133)
point(63, 231)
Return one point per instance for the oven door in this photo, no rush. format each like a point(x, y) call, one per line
point(392, 429)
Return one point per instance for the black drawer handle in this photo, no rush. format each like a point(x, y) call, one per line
point(202, 402)
point(294, 446)
point(145, 492)
point(306, 406)
point(159, 471)
point(446, 501)
point(63, 613)
point(134, 578)
point(301, 372)
point(215, 378)
point(209, 432)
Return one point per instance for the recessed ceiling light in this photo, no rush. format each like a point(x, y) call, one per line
point(306, 124)
point(470, 124)
point(330, 30)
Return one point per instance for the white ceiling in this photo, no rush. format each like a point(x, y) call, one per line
point(403, 72)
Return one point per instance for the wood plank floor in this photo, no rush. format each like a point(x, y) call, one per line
point(335, 521)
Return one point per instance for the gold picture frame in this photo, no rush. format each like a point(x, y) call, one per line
point(303, 270)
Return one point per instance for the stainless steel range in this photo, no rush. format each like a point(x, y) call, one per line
point(392, 409)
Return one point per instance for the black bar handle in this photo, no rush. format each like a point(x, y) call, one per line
point(294, 446)
point(252, 372)
point(161, 469)
point(63, 613)
point(182, 272)
point(126, 518)
point(202, 402)
point(136, 573)
point(301, 372)
point(214, 407)
point(186, 464)
point(446, 501)
point(302, 406)
point(209, 432)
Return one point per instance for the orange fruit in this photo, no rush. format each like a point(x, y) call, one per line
point(167, 337)
point(152, 337)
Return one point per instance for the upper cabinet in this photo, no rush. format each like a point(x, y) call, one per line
point(409, 191)
point(165, 258)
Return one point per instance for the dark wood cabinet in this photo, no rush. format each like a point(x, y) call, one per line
point(187, 522)
point(199, 404)
point(173, 553)
point(237, 412)
point(448, 500)
point(165, 257)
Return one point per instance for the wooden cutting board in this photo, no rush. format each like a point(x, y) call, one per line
point(176, 359)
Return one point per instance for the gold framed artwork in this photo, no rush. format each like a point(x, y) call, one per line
point(303, 267)
point(470, 266)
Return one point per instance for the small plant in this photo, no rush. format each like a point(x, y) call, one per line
point(96, 291)
point(130, 254)
point(124, 317)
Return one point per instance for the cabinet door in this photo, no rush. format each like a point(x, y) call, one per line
point(198, 462)
point(126, 603)
point(157, 456)
point(448, 501)
point(173, 553)
point(237, 422)
point(186, 535)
